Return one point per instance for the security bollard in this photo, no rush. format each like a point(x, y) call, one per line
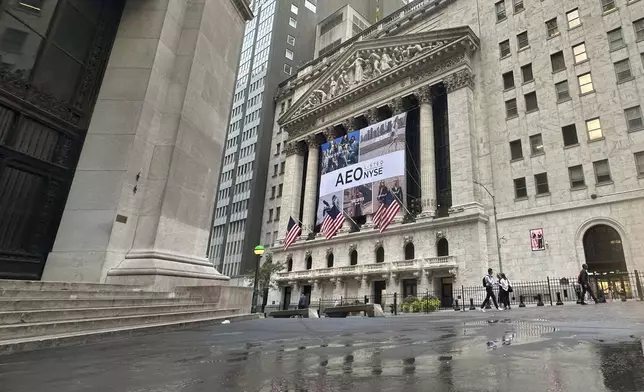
point(521, 303)
point(559, 302)
point(456, 307)
point(539, 300)
point(472, 304)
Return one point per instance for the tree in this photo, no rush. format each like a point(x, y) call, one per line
point(265, 276)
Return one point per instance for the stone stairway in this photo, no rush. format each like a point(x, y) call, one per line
point(36, 315)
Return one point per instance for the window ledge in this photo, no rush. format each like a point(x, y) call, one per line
point(512, 117)
point(543, 194)
point(521, 198)
point(640, 176)
point(516, 160)
point(632, 2)
point(506, 56)
point(596, 140)
point(509, 89)
point(274, 175)
point(501, 20)
point(537, 154)
point(571, 146)
point(579, 188)
point(519, 11)
point(605, 183)
point(636, 129)
point(532, 111)
point(528, 82)
point(556, 71)
point(582, 62)
point(626, 80)
point(524, 48)
point(564, 100)
point(609, 11)
point(576, 27)
point(617, 48)
point(588, 93)
point(554, 36)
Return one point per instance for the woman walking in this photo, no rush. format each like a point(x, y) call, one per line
point(504, 291)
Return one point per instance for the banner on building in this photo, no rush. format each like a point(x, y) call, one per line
point(359, 169)
point(537, 241)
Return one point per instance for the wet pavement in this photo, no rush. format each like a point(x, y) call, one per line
point(568, 348)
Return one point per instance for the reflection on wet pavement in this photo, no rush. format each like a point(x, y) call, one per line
point(401, 354)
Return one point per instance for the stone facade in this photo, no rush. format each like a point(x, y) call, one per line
point(139, 208)
point(459, 49)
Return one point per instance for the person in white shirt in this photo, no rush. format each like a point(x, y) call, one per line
point(504, 291)
point(489, 282)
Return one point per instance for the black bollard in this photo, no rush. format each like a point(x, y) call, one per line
point(472, 307)
point(366, 300)
point(521, 303)
point(578, 291)
point(638, 284)
point(456, 307)
point(559, 302)
point(539, 300)
point(566, 293)
point(623, 289)
point(396, 304)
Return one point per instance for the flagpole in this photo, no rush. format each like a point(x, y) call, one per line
point(400, 201)
point(347, 215)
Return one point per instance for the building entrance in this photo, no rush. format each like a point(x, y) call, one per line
point(604, 255)
point(378, 287)
point(410, 288)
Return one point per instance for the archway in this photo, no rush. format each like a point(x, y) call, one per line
point(309, 262)
point(410, 251)
point(329, 260)
point(442, 247)
point(353, 257)
point(603, 250)
point(380, 255)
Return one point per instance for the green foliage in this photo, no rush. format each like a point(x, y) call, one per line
point(265, 277)
point(417, 305)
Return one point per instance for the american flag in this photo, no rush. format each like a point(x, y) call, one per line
point(332, 222)
point(293, 231)
point(386, 212)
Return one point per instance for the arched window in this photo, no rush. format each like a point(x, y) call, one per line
point(442, 247)
point(309, 262)
point(410, 251)
point(353, 257)
point(329, 260)
point(380, 255)
point(289, 265)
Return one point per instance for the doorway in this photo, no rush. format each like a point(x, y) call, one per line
point(378, 287)
point(306, 290)
point(603, 250)
point(410, 288)
point(447, 298)
point(286, 298)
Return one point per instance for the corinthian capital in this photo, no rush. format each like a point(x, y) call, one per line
point(424, 95)
point(293, 148)
point(396, 105)
point(372, 115)
point(458, 80)
point(312, 141)
point(349, 124)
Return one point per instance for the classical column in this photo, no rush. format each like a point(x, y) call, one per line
point(372, 116)
point(292, 191)
point(427, 154)
point(462, 140)
point(316, 293)
point(310, 186)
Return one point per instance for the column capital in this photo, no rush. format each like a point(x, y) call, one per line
point(293, 148)
point(329, 133)
point(424, 95)
point(396, 105)
point(349, 124)
point(372, 115)
point(458, 80)
point(312, 141)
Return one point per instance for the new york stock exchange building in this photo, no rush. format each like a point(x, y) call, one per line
point(473, 113)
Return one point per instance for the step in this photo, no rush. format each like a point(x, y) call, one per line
point(76, 294)
point(35, 285)
point(21, 304)
point(40, 316)
point(101, 335)
point(57, 327)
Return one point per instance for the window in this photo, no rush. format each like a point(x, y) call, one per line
point(522, 40)
point(280, 189)
point(290, 40)
point(508, 80)
point(287, 69)
point(380, 255)
point(608, 5)
point(526, 72)
point(288, 103)
point(569, 133)
point(272, 193)
point(536, 144)
point(638, 25)
point(282, 166)
point(623, 70)
point(294, 9)
point(504, 47)
point(594, 129)
point(639, 163)
point(274, 170)
point(634, 118)
point(541, 183)
point(520, 190)
point(615, 39)
point(562, 91)
point(278, 148)
point(557, 61)
point(531, 102)
point(310, 6)
point(270, 215)
point(277, 213)
point(289, 54)
point(282, 107)
point(309, 262)
point(353, 257)
point(511, 108)
point(579, 51)
point(500, 11)
point(516, 152)
point(585, 83)
point(518, 6)
point(552, 28)
point(573, 18)
point(576, 174)
point(329, 260)
point(602, 171)
point(292, 22)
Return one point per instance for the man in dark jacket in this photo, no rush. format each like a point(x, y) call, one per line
point(584, 281)
point(304, 302)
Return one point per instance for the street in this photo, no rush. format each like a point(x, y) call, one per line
point(561, 348)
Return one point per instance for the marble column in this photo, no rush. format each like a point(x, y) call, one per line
point(316, 292)
point(427, 154)
point(292, 191)
point(310, 186)
point(463, 140)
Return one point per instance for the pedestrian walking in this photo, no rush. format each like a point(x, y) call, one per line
point(584, 282)
point(304, 302)
point(488, 283)
point(505, 288)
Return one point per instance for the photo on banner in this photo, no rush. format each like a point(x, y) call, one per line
point(353, 168)
point(537, 242)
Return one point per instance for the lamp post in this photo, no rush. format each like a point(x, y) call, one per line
point(259, 251)
point(496, 225)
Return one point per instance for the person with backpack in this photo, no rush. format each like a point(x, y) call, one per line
point(505, 288)
point(584, 282)
point(488, 283)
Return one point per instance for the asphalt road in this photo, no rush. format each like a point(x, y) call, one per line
point(568, 348)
